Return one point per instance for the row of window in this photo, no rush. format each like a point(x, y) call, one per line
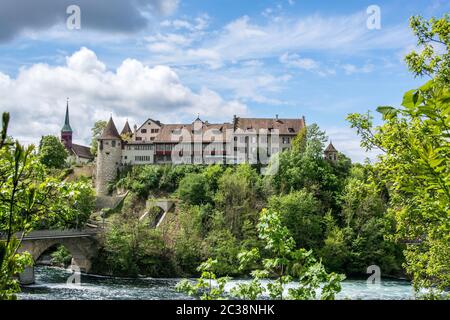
point(151, 130)
point(243, 139)
point(140, 147)
point(113, 143)
point(142, 158)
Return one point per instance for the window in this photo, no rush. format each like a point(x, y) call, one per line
point(143, 130)
point(113, 144)
point(291, 130)
point(143, 147)
point(138, 138)
point(154, 130)
point(286, 140)
point(142, 158)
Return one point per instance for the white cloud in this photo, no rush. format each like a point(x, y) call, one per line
point(350, 68)
point(294, 60)
point(36, 97)
point(244, 39)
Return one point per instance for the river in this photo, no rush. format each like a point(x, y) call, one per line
point(51, 285)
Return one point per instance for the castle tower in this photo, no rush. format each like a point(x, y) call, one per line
point(126, 129)
point(109, 157)
point(330, 153)
point(66, 131)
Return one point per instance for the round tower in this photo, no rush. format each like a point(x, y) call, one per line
point(109, 156)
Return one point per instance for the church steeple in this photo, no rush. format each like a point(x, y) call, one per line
point(66, 131)
point(66, 127)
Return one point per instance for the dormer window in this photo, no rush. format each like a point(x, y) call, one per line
point(291, 130)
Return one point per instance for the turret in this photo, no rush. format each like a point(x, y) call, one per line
point(330, 153)
point(126, 129)
point(109, 156)
point(66, 131)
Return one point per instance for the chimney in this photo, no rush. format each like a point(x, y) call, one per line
point(234, 122)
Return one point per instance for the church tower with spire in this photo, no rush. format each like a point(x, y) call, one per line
point(109, 157)
point(66, 131)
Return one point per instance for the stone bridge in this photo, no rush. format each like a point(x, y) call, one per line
point(82, 244)
point(165, 204)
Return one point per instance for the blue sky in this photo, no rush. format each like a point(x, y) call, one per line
point(172, 59)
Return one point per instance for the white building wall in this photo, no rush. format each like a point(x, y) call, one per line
point(138, 154)
point(147, 131)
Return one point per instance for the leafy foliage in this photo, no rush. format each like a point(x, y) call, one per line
point(97, 130)
point(415, 165)
point(52, 152)
point(30, 198)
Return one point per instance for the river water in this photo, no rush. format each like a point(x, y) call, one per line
point(51, 284)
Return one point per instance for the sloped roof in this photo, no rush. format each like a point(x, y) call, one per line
point(330, 148)
point(82, 151)
point(285, 126)
point(126, 129)
point(110, 131)
point(211, 132)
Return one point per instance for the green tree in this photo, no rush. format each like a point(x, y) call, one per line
point(194, 190)
point(415, 164)
point(208, 286)
point(301, 213)
point(222, 246)
point(431, 36)
point(188, 248)
point(130, 248)
point(28, 198)
point(97, 130)
point(52, 152)
point(365, 225)
point(237, 196)
point(282, 263)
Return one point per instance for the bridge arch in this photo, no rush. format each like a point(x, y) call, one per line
point(82, 245)
point(164, 204)
point(79, 248)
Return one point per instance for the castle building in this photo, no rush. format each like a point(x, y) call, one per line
point(77, 153)
point(249, 140)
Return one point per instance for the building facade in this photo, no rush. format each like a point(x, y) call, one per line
point(244, 140)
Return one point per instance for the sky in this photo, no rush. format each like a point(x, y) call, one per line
point(171, 60)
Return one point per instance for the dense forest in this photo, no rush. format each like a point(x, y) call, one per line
point(312, 220)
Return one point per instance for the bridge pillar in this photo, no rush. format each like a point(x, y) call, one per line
point(27, 276)
point(81, 262)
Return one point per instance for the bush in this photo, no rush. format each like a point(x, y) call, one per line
point(61, 257)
